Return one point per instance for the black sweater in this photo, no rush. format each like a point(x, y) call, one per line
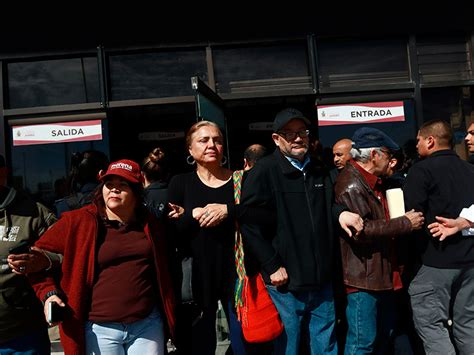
point(441, 185)
point(212, 248)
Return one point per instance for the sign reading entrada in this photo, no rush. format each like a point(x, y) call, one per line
point(59, 132)
point(330, 115)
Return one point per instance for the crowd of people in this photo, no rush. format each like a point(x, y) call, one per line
point(135, 256)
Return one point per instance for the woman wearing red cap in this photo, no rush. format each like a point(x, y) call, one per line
point(115, 286)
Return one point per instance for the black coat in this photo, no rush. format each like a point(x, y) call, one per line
point(302, 239)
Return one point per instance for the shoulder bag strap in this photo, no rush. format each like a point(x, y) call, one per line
point(238, 247)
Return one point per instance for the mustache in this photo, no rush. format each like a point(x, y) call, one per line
point(300, 145)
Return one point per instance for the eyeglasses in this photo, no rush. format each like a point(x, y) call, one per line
point(388, 153)
point(290, 136)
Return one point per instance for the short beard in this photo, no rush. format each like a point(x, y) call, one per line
point(299, 155)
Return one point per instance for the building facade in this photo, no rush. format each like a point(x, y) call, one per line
point(141, 96)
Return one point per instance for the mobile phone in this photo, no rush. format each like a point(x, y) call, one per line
point(55, 312)
point(22, 248)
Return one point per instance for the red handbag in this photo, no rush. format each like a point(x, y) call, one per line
point(255, 309)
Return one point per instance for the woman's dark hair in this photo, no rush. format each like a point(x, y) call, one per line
point(155, 166)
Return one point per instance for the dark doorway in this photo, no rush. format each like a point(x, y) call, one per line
point(136, 131)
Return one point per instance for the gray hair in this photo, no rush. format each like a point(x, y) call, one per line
point(363, 154)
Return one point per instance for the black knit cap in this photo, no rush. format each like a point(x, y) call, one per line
point(285, 116)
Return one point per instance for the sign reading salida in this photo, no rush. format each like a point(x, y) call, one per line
point(59, 132)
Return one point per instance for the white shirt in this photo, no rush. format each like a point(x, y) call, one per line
point(468, 213)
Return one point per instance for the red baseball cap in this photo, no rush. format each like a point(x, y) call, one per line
point(127, 169)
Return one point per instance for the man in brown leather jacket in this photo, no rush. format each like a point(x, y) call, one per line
point(370, 269)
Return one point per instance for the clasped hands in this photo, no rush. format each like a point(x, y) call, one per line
point(210, 215)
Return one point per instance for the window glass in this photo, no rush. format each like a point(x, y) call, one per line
point(38, 169)
point(443, 58)
point(353, 62)
point(53, 82)
point(261, 68)
point(451, 104)
point(155, 75)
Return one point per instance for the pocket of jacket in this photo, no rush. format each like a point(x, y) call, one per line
point(17, 297)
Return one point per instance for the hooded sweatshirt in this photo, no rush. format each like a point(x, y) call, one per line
point(21, 219)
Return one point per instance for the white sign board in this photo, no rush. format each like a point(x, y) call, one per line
point(364, 113)
point(61, 132)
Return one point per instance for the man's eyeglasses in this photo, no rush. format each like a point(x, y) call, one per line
point(290, 136)
point(388, 153)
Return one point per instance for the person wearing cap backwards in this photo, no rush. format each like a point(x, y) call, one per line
point(441, 184)
point(115, 284)
point(296, 253)
point(22, 221)
point(369, 263)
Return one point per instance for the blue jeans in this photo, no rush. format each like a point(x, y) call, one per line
point(370, 320)
point(145, 336)
point(35, 343)
point(310, 311)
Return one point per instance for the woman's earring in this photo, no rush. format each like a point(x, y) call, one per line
point(190, 160)
point(223, 160)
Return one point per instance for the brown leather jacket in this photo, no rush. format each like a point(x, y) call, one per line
point(367, 260)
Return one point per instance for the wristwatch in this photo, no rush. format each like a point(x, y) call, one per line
point(52, 293)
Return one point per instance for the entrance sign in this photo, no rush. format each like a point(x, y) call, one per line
point(60, 132)
point(364, 113)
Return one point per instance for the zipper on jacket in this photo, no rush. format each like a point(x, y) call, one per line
point(308, 202)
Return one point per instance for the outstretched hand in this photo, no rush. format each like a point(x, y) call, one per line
point(175, 211)
point(446, 227)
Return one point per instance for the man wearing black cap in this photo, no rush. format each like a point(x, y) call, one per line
point(23, 328)
point(296, 254)
point(369, 264)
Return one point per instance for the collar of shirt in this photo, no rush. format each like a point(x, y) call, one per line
point(297, 164)
point(374, 182)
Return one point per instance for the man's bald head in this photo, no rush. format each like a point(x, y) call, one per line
point(342, 152)
point(252, 154)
